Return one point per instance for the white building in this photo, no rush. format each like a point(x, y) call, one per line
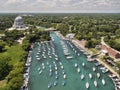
point(18, 24)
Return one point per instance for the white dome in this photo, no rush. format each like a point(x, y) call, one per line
point(19, 23)
point(18, 18)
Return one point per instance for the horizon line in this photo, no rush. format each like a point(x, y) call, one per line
point(56, 12)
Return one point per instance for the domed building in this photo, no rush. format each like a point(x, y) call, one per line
point(19, 23)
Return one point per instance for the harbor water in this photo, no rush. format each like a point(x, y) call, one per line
point(59, 64)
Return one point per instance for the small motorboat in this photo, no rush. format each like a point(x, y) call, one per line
point(55, 68)
point(50, 70)
point(50, 66)
point(62, 67)
point(60, 63)
point(75, 51)
point(83, 64)
point(43, 64)
point(95, 83)
point(75, 65)
point(38, 59)
point(94, 69)
point(38, 53)
point(47, 63)
point(63, 72)
point(50, 56)
point(49, 85)
point(103, 81)
point(56, 58)
point(40, 72)
point(50, 74)
point(55, 83)
point(78, 70)
point(63, 83)
point(56, 76)
point(37, 56)
point(64, 76)
point(82, 77)
point(98, 75)
point(87, 85)
point(56, 72)
point(44, 57)
point(43, 67)
point(90, 75)
point(38, 69)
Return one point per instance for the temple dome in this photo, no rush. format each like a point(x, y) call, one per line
point(19, 23)
point(18, 18)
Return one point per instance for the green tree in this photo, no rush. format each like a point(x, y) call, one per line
point(4, 67)
point(2, 46)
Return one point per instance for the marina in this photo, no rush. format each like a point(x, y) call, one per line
point(61, 65)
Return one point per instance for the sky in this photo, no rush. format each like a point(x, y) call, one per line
point(60, 6)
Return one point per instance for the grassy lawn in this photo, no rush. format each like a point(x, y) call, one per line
point(41, 28)
point(94, 51)
point(117, 40)
point(2, 84)
point(14, 53)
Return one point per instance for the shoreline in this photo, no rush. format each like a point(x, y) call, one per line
point(77, 42)
point(100, 61)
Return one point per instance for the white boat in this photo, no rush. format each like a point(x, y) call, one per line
point(78, 70)
point(56, 58)
point(56, 76)
point(47, 63)
point(43, 67)
point(103, 81)
point(50, 66)
point(87, 85)
point(55, 83)
point(43, 64)
point(75, 65)
point(38, 58)
point(83, 64)
point(105, 70)
point(56, 72)
point(94, 69)
point(64, 76)
point(63, 83)
point(38, 69)
point(60, 63)
point(69, 57)
point(62, 67)
point(90, 75)
point(63, 72)
point(98, 75)
point(44, 57)
point(50, 56)
point(40, 72)
point(95, 83)
point(38, 53)
point(49, 85)
point(82, 77)
point(50, 70)
point(55, 68)
point(50, 73)
point(75, 51)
